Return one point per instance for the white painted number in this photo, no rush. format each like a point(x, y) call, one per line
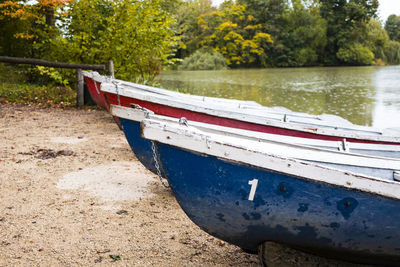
point(253, 184)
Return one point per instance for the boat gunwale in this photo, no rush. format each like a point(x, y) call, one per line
point(137, 113)
point(249, 109)
point(191, 140)
point(247, 104)
point(311, 153)
point(242, 116)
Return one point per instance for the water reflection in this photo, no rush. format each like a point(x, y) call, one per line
point(363, 95)
point(387, 84)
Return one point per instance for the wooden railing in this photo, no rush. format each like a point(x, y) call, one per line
point(78, 67)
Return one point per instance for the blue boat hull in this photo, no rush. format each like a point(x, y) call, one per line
point(141, 147)
point(317, 217)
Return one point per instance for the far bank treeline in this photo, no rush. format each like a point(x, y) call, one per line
point(142, 36)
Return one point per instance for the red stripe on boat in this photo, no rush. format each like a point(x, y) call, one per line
point(202, 117)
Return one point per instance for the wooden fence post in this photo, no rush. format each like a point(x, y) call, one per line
point(111, 68)
point(79, 88)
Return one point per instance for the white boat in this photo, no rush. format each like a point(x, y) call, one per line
point(130, 119)
point(259, 120)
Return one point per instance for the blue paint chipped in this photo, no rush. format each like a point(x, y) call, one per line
point(220, 217)
point(307, 231)
point(327, 202)
point(246, 216)
point(251, 216)
point(285, 190)
point(303, 207)
point(335, 225)
point(365, 225)
point(346, 206)
point(244, 194)
point(258, 201)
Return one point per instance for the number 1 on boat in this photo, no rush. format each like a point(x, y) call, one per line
point(253, 184)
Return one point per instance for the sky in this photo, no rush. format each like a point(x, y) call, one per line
point(386, 8)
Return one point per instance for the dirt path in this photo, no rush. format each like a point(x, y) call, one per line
point(73, 194)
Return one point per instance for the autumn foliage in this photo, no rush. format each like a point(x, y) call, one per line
point(141, 36)
point(137, 35)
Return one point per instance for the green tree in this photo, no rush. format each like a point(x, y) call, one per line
point(305, 36)
point(376, 39)
point(141, 38)
point(392, 26)
point(355, 54)
point(233, 34)
point(186, 14)
point(392, 52)
point(135, 34)
point(87, 31)
point(346, 25)
point(270, 14)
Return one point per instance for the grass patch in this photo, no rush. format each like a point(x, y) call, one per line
point(14, 88)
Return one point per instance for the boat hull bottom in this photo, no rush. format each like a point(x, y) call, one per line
point(320, 218)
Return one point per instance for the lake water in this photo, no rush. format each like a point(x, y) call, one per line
point(362, 95)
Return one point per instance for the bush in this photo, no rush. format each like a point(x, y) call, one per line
point(392, 52)
point(15, 88)
point(136, 35)
point(306, 57)
point(356, 54)
point(204, 60)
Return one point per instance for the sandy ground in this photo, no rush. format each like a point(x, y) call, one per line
point(73, 194)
